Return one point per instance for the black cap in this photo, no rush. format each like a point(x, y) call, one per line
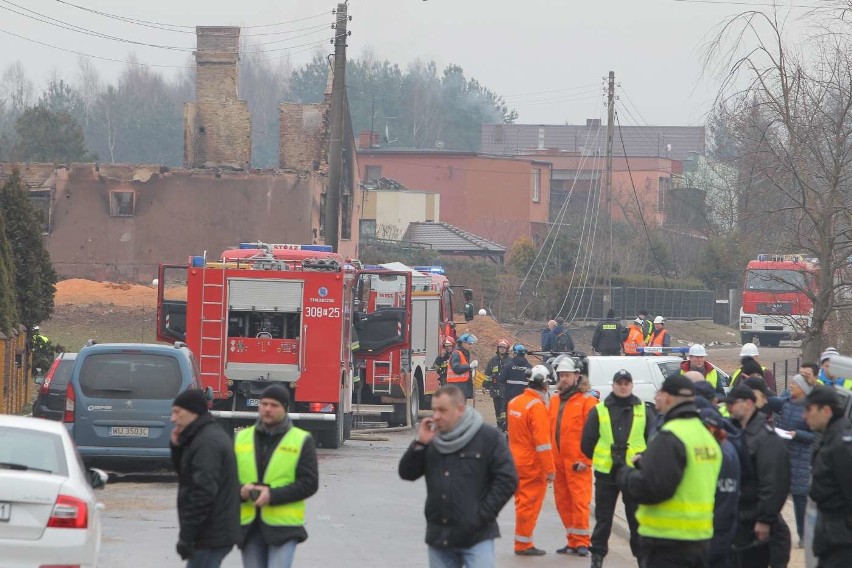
point(193, 400)
point(610, 313)
point(622, 374)
point(823, 396)
point(741, 392)
point(712, 417)
point(279, 393)
point(758, 384)
point(678, 385)
point(705, 390)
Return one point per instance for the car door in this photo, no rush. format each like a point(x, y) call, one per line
point(124, 398)
point(59, 382)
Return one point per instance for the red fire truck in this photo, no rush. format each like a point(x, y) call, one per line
point(304, 317)
point(775, 303)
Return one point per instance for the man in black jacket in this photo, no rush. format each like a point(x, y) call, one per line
point(764, 486)
point(278, 469)
point(682, 463)
point(621, 424)
point(831, 483)
point(470, 476)
point(208, 489)
point(513, 376)
point(607, 337)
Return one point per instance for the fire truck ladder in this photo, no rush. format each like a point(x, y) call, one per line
point(382, 370)
point(210, 355)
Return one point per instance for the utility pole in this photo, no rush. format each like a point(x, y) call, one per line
point(335, 147)
point(610, 131)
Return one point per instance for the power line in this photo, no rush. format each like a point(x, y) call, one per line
point(580, 87)
point(179, 28)
point(755, 4)
point(638, 203)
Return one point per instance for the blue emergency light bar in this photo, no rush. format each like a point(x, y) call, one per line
point(430, 269)
point(661, 350)
point(315, 248)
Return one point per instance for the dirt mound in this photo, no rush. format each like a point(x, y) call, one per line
point(488, 332)
point(79, 292)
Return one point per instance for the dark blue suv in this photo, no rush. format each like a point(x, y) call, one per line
point(119, 399)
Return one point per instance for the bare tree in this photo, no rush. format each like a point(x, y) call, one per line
point(794, 133)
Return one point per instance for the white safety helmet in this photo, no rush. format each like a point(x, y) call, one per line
point(749, 350)
point(697, 350)
point(828, 354)
point(660, 319)
point(567, 365)
point(638, 321)
point(540, 374)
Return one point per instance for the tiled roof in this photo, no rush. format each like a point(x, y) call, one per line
point(447, 238)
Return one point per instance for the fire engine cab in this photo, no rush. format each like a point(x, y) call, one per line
point(305, 317)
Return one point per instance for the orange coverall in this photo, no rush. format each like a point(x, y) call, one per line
point(572, 489)
point(635, 339)
point(528, 425)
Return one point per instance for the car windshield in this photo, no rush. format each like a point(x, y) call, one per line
point(32, 450)
point(775, 280)
point(130, 376)
point(62, 374)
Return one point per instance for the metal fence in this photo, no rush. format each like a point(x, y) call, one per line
point(784, 372)
point(677, 304)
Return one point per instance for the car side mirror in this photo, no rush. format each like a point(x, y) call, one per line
point(97, 478)
point(39, 380)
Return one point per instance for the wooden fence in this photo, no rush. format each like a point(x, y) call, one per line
point(14, 364)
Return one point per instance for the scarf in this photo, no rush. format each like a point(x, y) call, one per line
point(461, 434)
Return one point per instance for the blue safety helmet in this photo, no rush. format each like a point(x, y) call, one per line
point(468, 338)
point(519, 349)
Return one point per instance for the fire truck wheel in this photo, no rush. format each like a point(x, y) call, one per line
point(745, 337)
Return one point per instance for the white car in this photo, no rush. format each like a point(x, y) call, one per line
point(48, 512)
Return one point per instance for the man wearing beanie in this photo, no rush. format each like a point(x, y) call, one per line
point(789, 412)
point(675, 485)
point(208, 490)
point(278, 471)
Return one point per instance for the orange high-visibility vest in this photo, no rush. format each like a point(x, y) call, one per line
point(635, 338)
point(657, 338)
point(452, 377)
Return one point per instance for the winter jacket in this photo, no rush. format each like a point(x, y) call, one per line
point(621, 418)
point(661, 468)
point(459, 368)
point(789, 415)
point(560, 339)
point(606, 339)
point(305, 485)
point(466, 490)
point(831, 488)
point(513, 377)
point(546, 338)
point(440, 365)
point(208, 485)
point(492, 371)
point(727, 501)
point(765, 473)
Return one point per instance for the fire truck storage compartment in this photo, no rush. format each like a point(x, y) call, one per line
point(425, 319)
point(380, 330)
point(254, 295)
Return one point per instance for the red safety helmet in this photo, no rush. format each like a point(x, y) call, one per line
point(504, 343)
point(448, 341)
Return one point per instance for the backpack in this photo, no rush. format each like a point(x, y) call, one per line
point(563, 342)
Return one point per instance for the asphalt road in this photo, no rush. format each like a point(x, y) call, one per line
point(362, 516)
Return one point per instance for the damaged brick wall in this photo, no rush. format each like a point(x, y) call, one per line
point(217, 126)
point(304, 136)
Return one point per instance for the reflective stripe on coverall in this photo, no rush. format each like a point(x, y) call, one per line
point(530, 444)
point(572, 489)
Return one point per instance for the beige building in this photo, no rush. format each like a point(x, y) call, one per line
point(388, 212)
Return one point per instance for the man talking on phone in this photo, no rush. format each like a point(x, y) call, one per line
point(470, 476)
point(277, 464)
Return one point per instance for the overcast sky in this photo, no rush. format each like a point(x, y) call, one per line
point(546, 57)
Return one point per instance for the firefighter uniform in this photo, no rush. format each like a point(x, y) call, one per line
point(514, 378)
point(572, 489)
point(635, 338)
point(530, 444)
point(495, 389)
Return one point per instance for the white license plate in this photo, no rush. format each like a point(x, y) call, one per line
point(252, 402)
point(5, 511)
point(128, 431)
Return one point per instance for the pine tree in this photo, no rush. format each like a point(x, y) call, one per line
point(8, 304)
point(34, 276)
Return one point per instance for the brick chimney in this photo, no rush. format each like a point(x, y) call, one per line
point(217, 126)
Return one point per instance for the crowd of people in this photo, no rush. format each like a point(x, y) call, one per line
point(703, 473)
